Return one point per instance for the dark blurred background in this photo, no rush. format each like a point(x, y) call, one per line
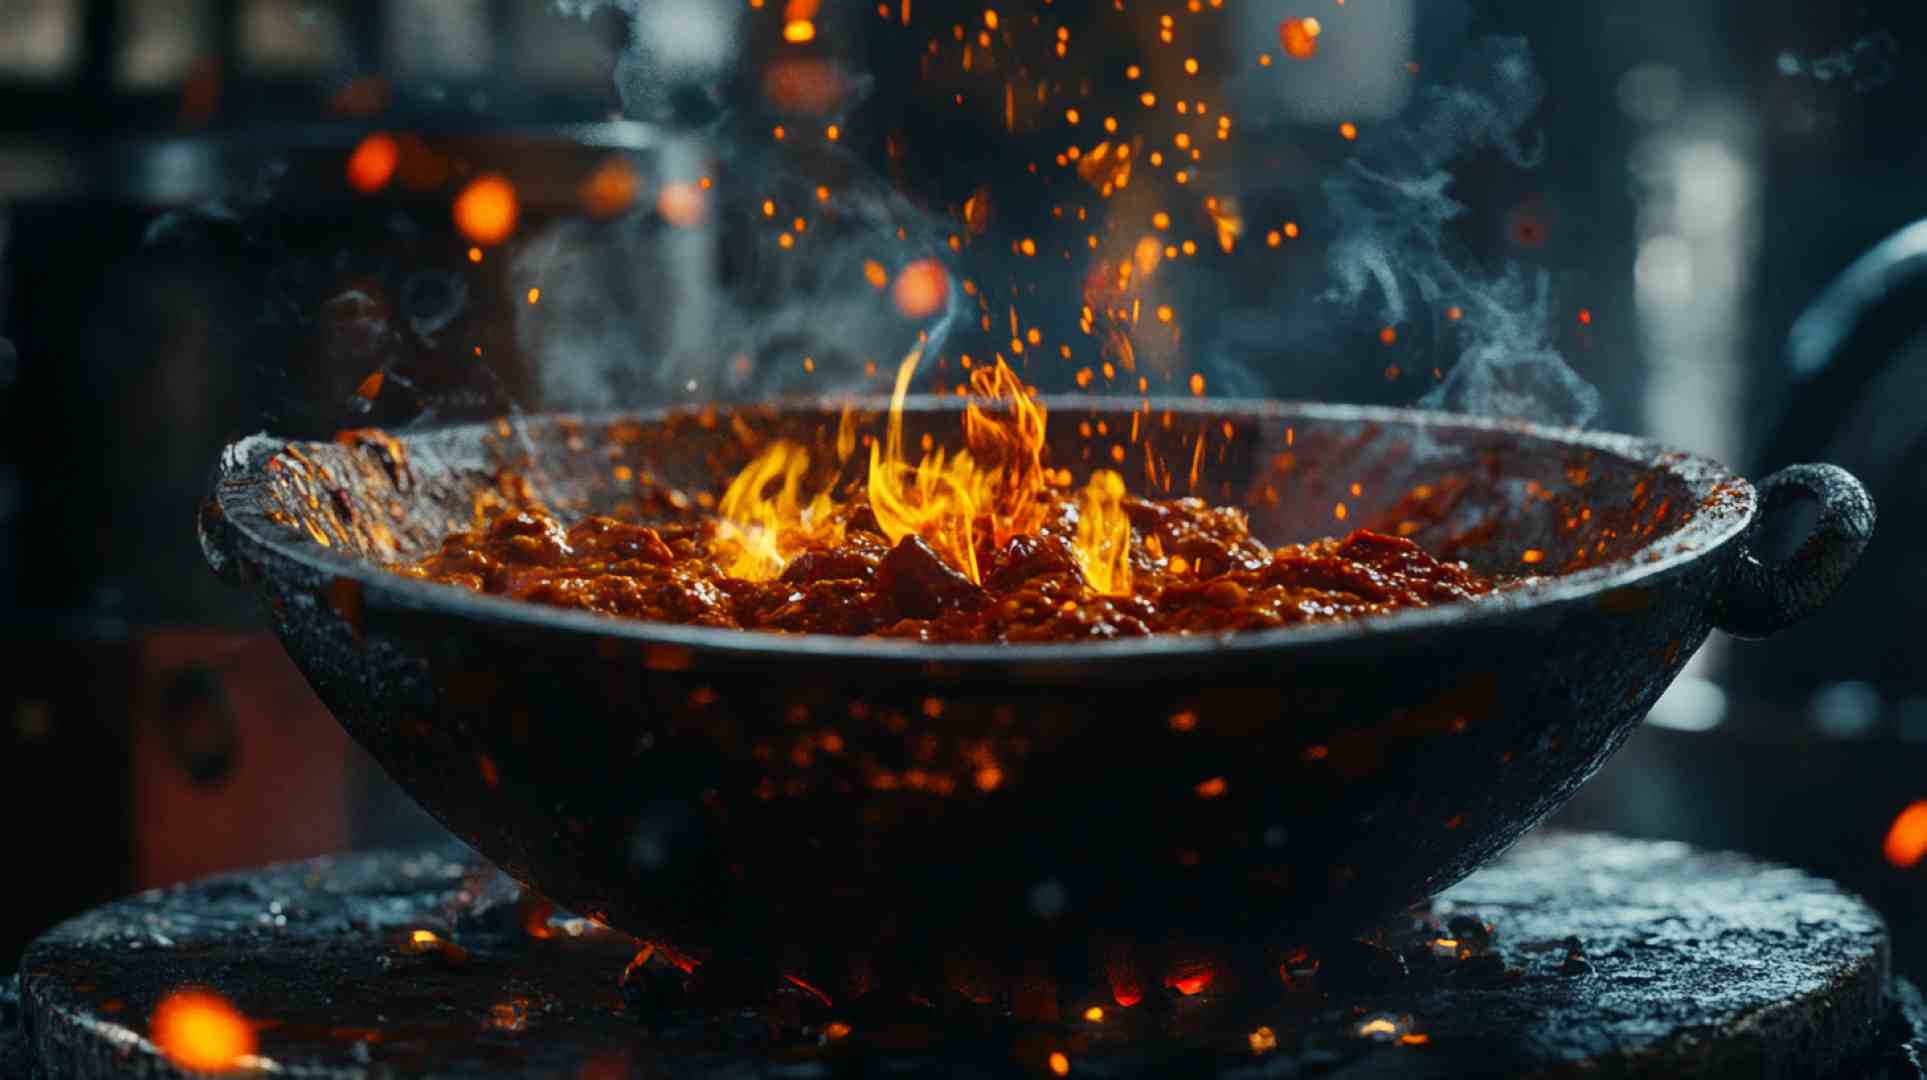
point(181, 263)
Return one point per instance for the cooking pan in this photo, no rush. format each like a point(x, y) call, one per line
point(807, 799)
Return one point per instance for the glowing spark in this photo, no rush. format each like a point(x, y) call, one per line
point(486, 210)
point(921, 288)
point(1378, 1025)
point(682, 205)
point(1906, 841)
point(1299, 37)
point(610, 189)
point(373, 163)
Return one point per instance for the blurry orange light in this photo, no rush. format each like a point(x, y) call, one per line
point(1059, 1064)
point(804, 85)
point(921, 288)
point(373, 163)
point(199, 1031)
point(610, 189)
point(1907, 838)
point(682, 205)
point(486, 209)
point(1299, 37)
point(1348, 130)
point(797, 31)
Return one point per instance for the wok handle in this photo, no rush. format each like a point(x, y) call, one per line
point(1763, 599)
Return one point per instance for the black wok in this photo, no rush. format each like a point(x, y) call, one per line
point(802, 798)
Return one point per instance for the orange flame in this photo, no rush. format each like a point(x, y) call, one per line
point(199, 1031)
point(989, 489)
point(934, 499)
point(759, 534)
point(1103, 544)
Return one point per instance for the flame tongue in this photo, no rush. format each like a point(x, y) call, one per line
point(935, 500)
point(758, 533)
point(1012, 448)
point(1103, 544)
point(946, 500)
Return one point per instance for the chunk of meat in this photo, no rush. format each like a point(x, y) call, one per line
point(920, 584)
point(620, 541)
point(855, 559)
point(1029, 556)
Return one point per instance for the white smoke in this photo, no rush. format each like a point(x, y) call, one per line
point(1393, 203)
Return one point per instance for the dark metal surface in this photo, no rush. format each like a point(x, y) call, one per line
point(1608, 957)
point(1764, 599)
point(1841, 342)
point(799, 799)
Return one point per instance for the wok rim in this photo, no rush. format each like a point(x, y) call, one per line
point(1711, 528)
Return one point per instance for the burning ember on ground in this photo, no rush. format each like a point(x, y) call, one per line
point(199, 1031)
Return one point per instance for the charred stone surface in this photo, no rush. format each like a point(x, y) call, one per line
point(1573, 955)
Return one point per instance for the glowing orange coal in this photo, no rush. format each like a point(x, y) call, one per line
point(199, 1031)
